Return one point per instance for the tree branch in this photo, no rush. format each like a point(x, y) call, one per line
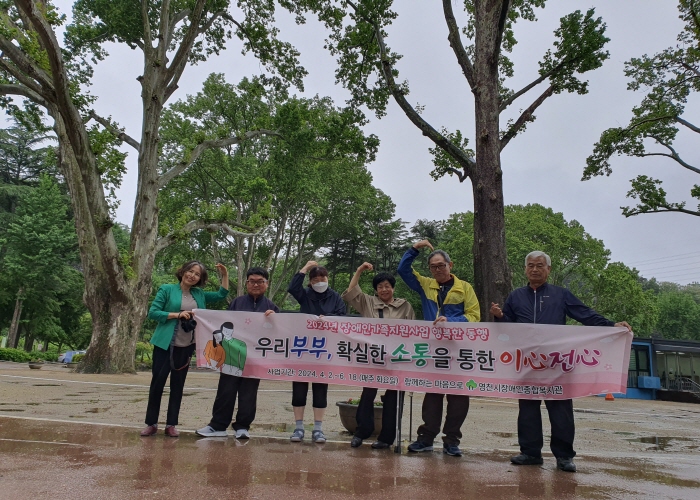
point(627, 212)
point(212, 19)
point(674, 155)
point(183, 164)
point(177, 19)
point(526, 116)
point(19, 90)
point(174, 71)
point(119, 134)
point(687, 124)
point(505, 7)
point(147, 37)
point(195, 225)
point(456, 43)
point(59, 77)
point(440, 140)
point(24, 80)
point(25, 64)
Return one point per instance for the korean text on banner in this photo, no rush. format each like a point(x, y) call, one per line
point(508, 360)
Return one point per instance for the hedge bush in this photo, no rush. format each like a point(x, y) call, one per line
point(16, 355)
point(20, 356)
point(76, 358)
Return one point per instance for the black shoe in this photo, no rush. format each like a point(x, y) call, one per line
point(356, 442)
point(524, 459)
point(380, 445)
point(418, 446)
point(452, 450)
point(566, 464)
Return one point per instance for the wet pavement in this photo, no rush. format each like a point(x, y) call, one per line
point(78, 460)
point(76, 435)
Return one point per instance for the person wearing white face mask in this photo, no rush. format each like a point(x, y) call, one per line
point(319, 300)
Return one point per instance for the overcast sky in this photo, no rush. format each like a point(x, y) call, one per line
point(542, 165)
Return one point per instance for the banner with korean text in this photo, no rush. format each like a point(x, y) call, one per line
point(508, 360)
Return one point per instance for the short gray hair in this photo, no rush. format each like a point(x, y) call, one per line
point(439, 252)
point(536, 254)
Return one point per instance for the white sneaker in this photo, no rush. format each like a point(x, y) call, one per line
point(209, 431)
point(242, 434)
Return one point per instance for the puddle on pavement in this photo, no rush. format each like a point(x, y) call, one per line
point(661, 443)
point(653, 476)
point(503, 434)
point(96, 410)
point(272, 427)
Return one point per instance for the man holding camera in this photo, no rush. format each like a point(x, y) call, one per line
point(230, 385)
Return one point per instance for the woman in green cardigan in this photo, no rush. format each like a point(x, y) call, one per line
point(173, 340)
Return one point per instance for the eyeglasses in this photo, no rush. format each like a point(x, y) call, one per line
point(256, 282)
point(437, 267)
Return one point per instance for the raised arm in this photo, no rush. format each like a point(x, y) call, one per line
point(406, 265)
point(296, 286)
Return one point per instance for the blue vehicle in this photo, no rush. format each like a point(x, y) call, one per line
point(67, 356)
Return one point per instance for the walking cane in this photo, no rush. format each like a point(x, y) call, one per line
point(399, 406)
point(410, 416)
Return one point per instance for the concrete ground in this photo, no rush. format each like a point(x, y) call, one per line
point(63, 433)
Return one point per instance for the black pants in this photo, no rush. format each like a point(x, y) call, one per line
point(301, 389)
point(561, 418)
point(457, 409)
point(231, 386)
point(160, 370)
point(365, 415)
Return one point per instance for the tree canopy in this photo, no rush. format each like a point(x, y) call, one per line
point(669, 79)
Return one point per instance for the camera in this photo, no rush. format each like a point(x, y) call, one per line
point(188, 325)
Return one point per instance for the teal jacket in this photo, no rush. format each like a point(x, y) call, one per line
point(169, 299)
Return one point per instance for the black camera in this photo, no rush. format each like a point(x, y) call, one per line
point(188, 325)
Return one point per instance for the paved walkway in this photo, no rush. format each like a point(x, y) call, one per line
point(66, 434)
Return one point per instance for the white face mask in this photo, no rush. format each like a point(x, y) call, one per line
point(320, 287)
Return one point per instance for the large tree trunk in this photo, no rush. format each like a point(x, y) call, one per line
point(492, 276)
point(12, 336)
point(117, 306)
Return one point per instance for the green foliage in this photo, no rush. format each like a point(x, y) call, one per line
point(144, 350)
point(15, 355)
point(577, 257)
point(619, 296)
point(578, 49)
point(39, 260)
point(21, 356)
point(292, 188)
point(96, 22)
point(669, 79)
point(77, 358)
point(679, 316)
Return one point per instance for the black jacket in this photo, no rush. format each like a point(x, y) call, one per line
point(548, 305)
point(327, 303)
point(248, 303)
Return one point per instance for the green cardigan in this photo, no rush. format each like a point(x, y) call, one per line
point(169, 299)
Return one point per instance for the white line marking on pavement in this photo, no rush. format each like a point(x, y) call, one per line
point(63, 443)
point(145, 386)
